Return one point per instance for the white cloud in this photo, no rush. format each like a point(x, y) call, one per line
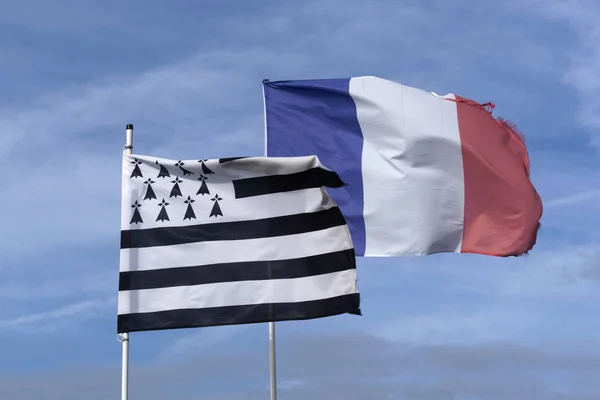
point(573, 199)
point(549, 275)
point(199, 340)
point(483, 326)
point(64, 317)
point(62, 284)
point(582, 17)
point(173, 100)
point(60, 155)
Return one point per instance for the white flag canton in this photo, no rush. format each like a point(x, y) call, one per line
point(231, 241)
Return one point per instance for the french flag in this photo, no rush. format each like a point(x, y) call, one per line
point(424, 173)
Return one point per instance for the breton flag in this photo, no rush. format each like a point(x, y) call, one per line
point(231, 241)
point(425, 173)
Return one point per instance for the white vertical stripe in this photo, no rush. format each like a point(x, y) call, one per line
point(225, 294)
point(412, 169)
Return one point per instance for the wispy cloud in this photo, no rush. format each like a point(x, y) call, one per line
point(574, 199)
point(582, 75)
point(482, 326)
point(77, 138)
point(64, 317)
point(65, 285)
point(550, 275)
point(171, 100)
point(199, 340)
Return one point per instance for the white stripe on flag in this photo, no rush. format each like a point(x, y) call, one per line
point(225, 294)
point(263, 249)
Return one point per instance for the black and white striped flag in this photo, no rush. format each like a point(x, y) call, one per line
point(231, 241)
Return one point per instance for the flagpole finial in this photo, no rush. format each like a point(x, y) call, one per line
point(129, 138)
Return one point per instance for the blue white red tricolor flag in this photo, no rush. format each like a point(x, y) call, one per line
point(424, 173)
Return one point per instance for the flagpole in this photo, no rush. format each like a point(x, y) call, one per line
point(124, 337)
point(272, 367)
point(272, 364)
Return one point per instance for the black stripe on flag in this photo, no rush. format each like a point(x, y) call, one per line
point(235, 230)
point(261, 185)
point(228, 159)
point(233, 315)
point(238, 271)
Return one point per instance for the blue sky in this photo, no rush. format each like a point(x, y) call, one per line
point(188, 75)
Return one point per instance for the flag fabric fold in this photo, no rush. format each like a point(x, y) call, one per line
point(424, 173)
point(231, 241)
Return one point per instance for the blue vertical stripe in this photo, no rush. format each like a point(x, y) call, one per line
point(318, 117)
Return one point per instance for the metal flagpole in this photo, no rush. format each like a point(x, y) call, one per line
point(272, 360)
point(272, 364)
point(124, 337)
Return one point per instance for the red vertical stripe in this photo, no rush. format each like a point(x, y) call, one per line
point(502, 208)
